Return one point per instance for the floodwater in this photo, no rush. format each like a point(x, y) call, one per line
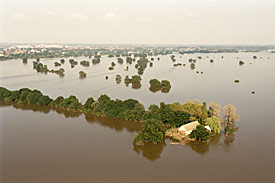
point(40, 144)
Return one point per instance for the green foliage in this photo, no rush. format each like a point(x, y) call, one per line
point(152, 131)
point(165, 86)
point(118, 79)
point(85, 63)
point(214, 123)
point(129, 60)
point(192, 66)
point(152, 113)
point(229, 130)
point(136, 79)
point(82, 74)
point(24, 96)
point(241, 62)
point(62, 61)
point(96, 61)
point(73, 62)
point(195, 110)
point(70, 103)
point(88, 106)
point(4, 93)
point(57, 64)
point(39, 67)
point(120, 60)
point(200, 133)
point(204, 114)
point(25, 60)
point(154, 83)
point(129, 109)
point(175, 118)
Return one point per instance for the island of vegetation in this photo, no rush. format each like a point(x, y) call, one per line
point(158, 121)
point(156, 85)
point(85, 63)
point(96, 61)
point(39, 67)
point(82, 74)
point(73, 63)
point(57, 64)
point(135, 81)
point(118, 79)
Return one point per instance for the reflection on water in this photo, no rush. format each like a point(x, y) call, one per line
point(113, 123)
point(203, 147)
point(229, 139)
point(150, 151)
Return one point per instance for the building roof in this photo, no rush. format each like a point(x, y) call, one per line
point(189, 126)
point(208, 128)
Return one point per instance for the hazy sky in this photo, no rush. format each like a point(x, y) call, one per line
point(138, 21)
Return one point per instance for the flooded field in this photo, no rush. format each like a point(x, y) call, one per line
point(40, 144)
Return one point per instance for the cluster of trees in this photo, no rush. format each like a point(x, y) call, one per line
point(82, 74)
point(156, 85)
point(177, 64)
point(25, 60)
point(118, 79)
point(152, 131)
point(156, 119)
point(175, 115)
point(24, 96)
point(39, 67)
point(135, 81)
point(73, 63)
point(57, 64)
point(129, 60)
point(192, 66)
point(96, 60)
point(85, 63)
point(120, 60)
point(173, 58)
point(241, 62)
point(141, 65)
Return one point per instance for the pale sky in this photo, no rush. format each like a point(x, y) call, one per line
point(182, 22)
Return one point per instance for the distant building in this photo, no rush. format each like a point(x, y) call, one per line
point(188, 128)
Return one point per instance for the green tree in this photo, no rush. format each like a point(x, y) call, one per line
point(152, 131)
point(204, 113)
point(214, 123)
point(200, 133)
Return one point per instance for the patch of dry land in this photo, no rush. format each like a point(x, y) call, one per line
point(177, 137)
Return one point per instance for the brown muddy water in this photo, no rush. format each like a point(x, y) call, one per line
point(44, 145)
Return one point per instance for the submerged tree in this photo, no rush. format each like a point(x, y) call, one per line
point(230, 118)
point(215, 110)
